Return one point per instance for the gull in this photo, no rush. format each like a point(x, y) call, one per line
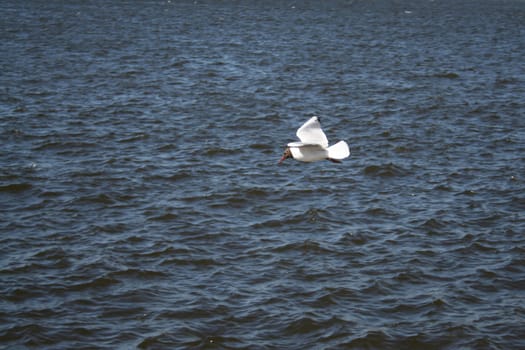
point(314, 145)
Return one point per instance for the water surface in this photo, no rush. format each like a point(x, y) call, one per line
point(142, 205)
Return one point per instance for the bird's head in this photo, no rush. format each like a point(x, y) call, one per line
point(287, 154)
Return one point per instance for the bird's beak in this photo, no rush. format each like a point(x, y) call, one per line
point(282, 159)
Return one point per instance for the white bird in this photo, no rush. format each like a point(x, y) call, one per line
point(314, 145)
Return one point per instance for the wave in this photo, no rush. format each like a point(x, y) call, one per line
point(16, 187)
point(385, 170)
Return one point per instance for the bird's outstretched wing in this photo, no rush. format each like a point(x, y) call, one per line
point(311, 133)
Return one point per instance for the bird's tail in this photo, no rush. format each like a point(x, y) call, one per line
point(338, 151)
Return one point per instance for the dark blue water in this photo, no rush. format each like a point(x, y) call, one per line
point(141, 204)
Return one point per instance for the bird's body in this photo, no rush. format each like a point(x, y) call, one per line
point(307, 152)
point(314, 145)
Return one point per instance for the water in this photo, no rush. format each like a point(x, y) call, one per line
point(142, 205)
